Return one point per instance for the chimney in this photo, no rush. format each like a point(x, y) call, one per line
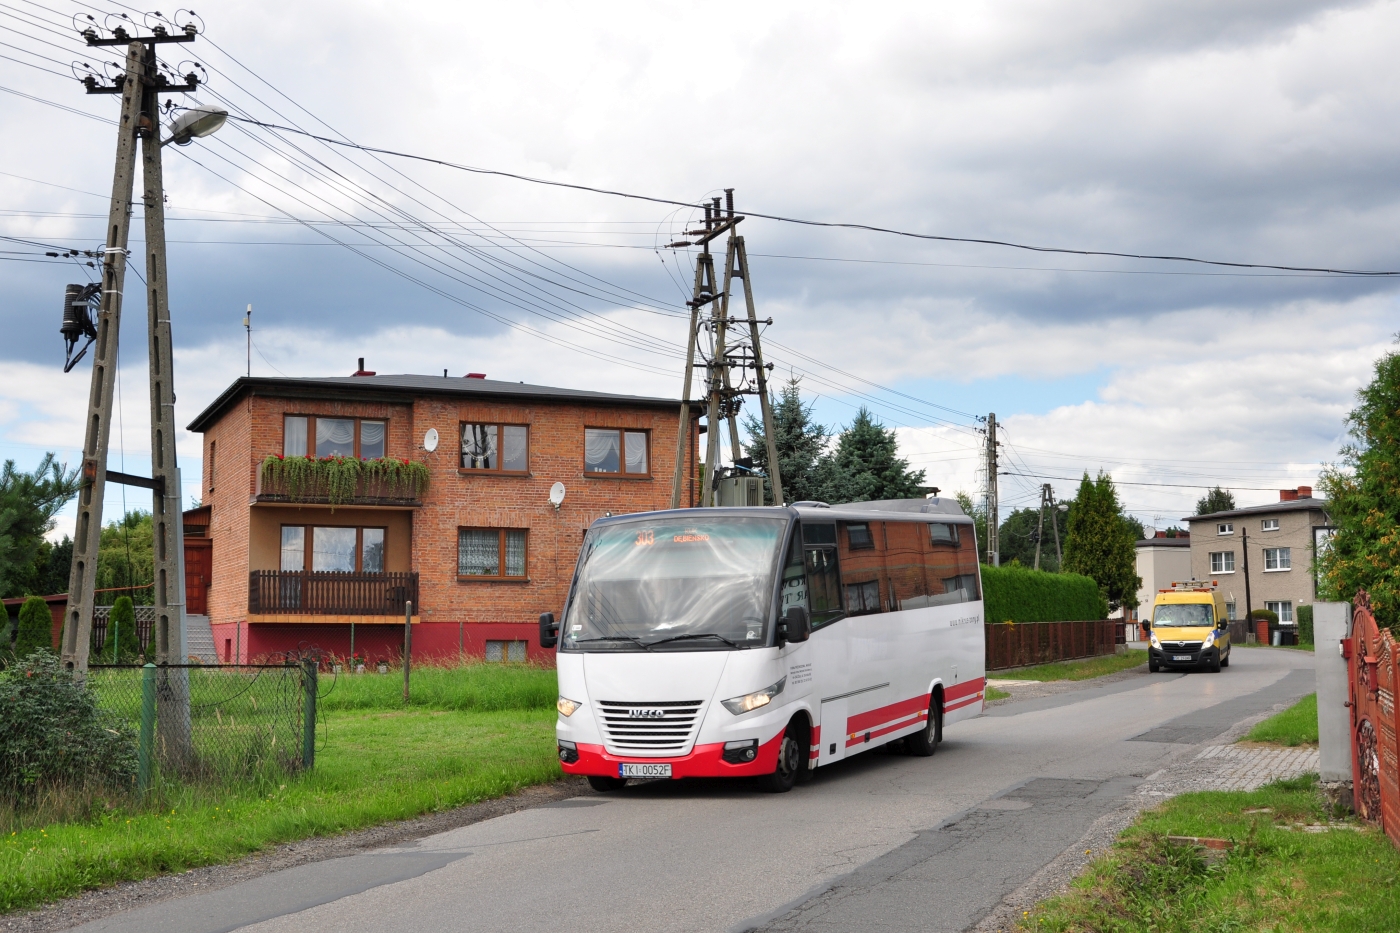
point(1304, 492)
point(1287, 495)
point(362, 371)
point(474, 376)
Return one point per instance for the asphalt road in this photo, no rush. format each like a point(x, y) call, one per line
point(880, 842)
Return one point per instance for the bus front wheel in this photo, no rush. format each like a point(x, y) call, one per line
point(789, 764)
point(604, 785)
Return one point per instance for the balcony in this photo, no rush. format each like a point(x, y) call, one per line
point(341, 481)
point(283, 596)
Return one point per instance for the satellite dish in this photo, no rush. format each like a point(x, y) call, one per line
point(430, 440)
point(556, 495)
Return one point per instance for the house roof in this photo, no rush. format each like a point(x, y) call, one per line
point(393, 388)
point(1292, 505)
point(1164, 542)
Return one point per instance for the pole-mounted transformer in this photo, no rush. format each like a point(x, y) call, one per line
point(78, 301)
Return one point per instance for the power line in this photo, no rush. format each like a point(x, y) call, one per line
point(1116, 482)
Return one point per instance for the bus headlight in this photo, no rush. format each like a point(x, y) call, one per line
point(752, 701)
point(567, 706)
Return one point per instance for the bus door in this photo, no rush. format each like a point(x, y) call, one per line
point(829, 645)
point(870, 635)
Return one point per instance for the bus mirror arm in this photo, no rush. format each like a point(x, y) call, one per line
point(549, 630)
point(795, 625)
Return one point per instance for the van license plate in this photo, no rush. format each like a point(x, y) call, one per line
point(1181, 657)
point(631, 770)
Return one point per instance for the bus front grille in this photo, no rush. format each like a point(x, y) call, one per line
point(650, 728)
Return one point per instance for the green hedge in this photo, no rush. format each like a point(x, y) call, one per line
point(1018, 594)
point(1305, 625)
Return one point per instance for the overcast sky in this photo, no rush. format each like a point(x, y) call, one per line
point(1249, 132)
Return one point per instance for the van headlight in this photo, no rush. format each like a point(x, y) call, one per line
point(1209, 641)
point(566, 706)
point(752, 701)
point(1153, 639)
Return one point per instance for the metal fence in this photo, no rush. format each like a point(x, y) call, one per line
point(1021, 644)
point(312, 593)
point(213, 722)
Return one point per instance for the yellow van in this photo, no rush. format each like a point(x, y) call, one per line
point(1190, 628)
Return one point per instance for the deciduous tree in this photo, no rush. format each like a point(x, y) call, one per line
point(1216, 500)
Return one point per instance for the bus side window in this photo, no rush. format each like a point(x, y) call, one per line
point(823, 576)
point(794, 576)
point(862, 561)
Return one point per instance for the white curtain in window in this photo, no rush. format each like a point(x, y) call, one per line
point(372, 550)
point(478, 553)
point(293, 548)
point(515, 553)
point(600, 451)
point(515, 448)
point(335, 437)
point(294, 436)
point(478, 447)
point(636, 452)
point(333, 549)
point(371, 439)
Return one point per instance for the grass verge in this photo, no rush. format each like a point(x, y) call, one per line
point(1278, 877)
point(992, 693)
point(1295, 726)
point(373, 765)
point(1076, 670)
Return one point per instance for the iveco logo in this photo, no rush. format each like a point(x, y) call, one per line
point(636, 713)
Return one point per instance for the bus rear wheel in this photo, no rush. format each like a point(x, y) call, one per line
point(604, 785)
point(925, 742)
point(789, 764)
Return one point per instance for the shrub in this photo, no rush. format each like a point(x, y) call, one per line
point(35, 628)
point(121, 626)
point(54, 731)
point(1019, 594)
point(1267, 615)
point(1305, 625)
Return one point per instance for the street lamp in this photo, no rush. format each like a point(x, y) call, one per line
point(196, 123)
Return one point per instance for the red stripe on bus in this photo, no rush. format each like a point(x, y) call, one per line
point(966, 701)
point(958, 691)
point(876, 733)
point(878, 717)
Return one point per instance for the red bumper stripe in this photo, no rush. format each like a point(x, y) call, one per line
point(703, 761)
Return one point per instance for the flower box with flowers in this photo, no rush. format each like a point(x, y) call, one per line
point(341, 480)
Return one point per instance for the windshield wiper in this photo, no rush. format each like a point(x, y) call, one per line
point(662, 641)
point(634, 640)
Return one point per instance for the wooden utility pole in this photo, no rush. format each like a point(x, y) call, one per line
point(704, 292)
point(993, 522)
point(1040, 523)
point(77, 621)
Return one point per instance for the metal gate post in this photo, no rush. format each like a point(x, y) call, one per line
point(308, 724)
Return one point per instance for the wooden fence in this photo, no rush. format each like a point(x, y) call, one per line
point(310, 593)
point(1017, 645)
point(1373, 672)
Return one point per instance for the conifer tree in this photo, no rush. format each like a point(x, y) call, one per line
point(1215, 500)
point(1363, 500)
point(121, 644)
point(1101, 541)
point(868, 466)
point(802, 447)
point(35, 628)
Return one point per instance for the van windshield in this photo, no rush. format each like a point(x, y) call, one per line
point(691, 582)
point(1184, 615)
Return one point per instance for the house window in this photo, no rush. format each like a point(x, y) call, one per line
point(504, 448)
point(491, 553)
point(1283, 609)
point(859, 535)
point(1222, 562)
point(1278, 558)
point(1269, 524)
point(1225, 528)
point(312, 436)
point(1230, 611)
point(332, 549)
point(505, 650)
point(608, 450)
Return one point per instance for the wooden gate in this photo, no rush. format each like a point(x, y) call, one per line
point(1372, 659)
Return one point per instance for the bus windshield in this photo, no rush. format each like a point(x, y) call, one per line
point(1183, 615)
point(692, 582)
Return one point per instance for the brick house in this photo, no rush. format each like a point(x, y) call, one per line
point(1272, 544)
point(294, 564)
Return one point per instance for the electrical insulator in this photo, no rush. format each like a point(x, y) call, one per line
point(77, 321)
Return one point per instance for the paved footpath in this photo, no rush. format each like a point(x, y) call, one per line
point(881, 842)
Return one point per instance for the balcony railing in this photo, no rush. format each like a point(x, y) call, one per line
point(341, 481)
point(276, 592)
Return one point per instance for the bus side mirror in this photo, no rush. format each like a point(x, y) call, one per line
point(796, 625)
point(549, 630)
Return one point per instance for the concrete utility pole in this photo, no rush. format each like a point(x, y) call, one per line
point(993, 521)
point(1055, 524)
point(723, 395)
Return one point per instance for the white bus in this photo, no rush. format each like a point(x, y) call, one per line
point(766, 642)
